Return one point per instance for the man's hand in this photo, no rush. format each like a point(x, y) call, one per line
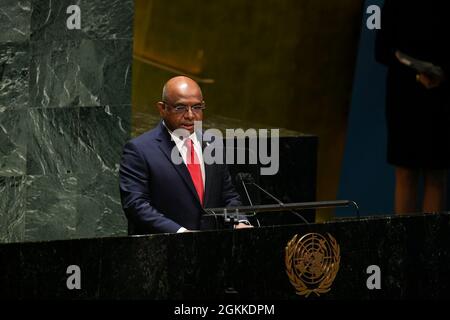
point(429, 81)
point(242, 225)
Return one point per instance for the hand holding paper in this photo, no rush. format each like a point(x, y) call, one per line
point(428, 74)
point(420, 66)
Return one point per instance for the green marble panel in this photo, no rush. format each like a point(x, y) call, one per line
point(99, 212)
point(51, 208)
point(76, 140)
point(53, 144)
point(73, 206)
point(15, 20)
point(80, 73)
point(13, 141)
point(12, 208)
point(99, 19)
point(103, 132)
point(64, 116)
point(14, 74)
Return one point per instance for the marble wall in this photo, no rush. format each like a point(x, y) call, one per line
point(65, 109)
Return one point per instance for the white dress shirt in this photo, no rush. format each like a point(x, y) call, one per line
point(182, 148)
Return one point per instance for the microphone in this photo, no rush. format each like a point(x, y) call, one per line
point(248, 178)
point(311, 205)
point(244, 178)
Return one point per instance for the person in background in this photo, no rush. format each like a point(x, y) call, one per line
point(417, 103)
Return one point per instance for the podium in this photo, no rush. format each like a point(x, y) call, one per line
point(410, 252)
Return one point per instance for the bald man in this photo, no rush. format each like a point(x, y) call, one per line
point(160, 195)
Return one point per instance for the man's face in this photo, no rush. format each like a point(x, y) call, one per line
point(182, 107)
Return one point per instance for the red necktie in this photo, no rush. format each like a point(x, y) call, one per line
point(193, 165)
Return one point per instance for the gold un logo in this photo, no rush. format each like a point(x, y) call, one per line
point(312, 263)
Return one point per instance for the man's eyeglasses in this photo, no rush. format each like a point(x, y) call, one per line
point(181, 108)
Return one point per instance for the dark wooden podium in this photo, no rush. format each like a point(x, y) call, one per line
point(412, 253)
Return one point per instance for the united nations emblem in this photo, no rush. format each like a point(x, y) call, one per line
point(312, 263)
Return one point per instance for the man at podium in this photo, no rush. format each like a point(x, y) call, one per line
point(161, 196)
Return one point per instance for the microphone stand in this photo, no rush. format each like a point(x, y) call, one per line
point(280, 203)
point(249, 199)
point(282, 207)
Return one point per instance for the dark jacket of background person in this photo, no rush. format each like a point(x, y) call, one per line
point(418, 118)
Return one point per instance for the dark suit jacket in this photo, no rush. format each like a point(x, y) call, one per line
point(159, 196)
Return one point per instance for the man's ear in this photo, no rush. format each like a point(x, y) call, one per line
point(161, 108)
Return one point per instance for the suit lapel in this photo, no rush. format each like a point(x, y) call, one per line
point(166, 146)
point(209, 168)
